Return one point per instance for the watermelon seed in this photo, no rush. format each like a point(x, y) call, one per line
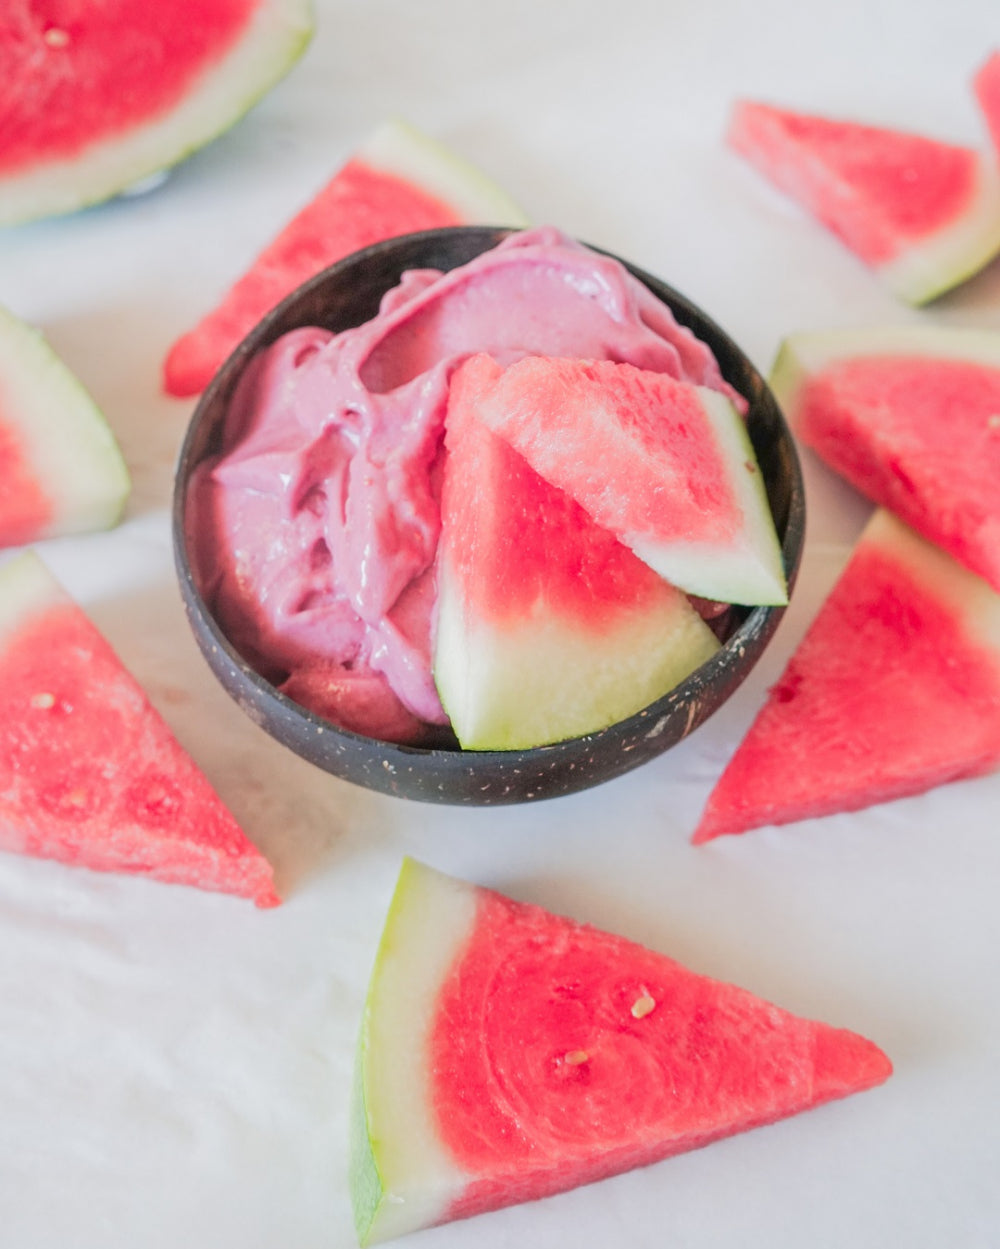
point(993, 421)
point(43, 701)
point(576, 1058)
point(642, 1006)
point(56, 38)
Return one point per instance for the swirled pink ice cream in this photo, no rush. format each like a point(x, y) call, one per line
point(314, 531)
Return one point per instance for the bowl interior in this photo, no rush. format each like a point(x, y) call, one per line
point(348, 294)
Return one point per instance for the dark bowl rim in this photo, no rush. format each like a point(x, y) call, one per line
point(756, 620)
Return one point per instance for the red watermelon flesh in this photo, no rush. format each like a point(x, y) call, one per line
point(96, 97)
point(529, 584)
point(895, 689)
point(508, 1053)
point(90, 774)
point(911, 417)
point(397, 182)
point(922, 213)
point(664, 465)
point(987, 88)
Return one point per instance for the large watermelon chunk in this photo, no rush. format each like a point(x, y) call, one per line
point(666, 466)
point(923, 214)
point(894, 689)
point(96, 97)
point(910, 415)
point(396, 182)
point(547, 626)
point(507, 1053)
point(60, 468)
point(89, 772)
point(986, 85)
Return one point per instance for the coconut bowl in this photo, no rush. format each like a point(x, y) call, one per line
point(348, 294)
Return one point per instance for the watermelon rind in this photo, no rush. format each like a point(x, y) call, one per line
point(400, 1176)
point(66, 440)
point(397, 148)
point(275, 37)
point(539, 680)
point(953, 254)
point(751, 571)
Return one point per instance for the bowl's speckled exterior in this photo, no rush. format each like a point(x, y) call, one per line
point(347, 294)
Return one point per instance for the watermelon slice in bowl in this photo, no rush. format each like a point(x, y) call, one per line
point(507, 1053)
point(910, 416)
point(90, 774)
point(397, 181)
point(97, 98)
point(923, 214)
point(346, 295)
point(61, 470)
point(894, 689)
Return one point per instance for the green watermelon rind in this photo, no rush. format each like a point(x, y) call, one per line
point(401, 150)
point(67, 441)
point(953, 254)
point(569, 681)
point(400, 1176)
point(278, 34)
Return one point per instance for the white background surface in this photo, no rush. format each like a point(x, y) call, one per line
point(174, 1066)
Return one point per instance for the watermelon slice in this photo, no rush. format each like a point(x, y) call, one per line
point(923, 214)
point(89, 773)
point(547, 627)
point(507, 1053)
point(895, 689)
point(98, 97)
point(910, 415)
point(666, 466)
point(986, 85)
point(60, 468)
point(396, 182)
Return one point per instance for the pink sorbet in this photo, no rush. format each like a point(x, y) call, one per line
point(314, 531)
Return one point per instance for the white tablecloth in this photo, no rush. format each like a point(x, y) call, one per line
point(174, 1066)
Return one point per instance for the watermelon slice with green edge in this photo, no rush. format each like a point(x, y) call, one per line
point(90, 774)
point(923, 214)
point(507, 1053)
point(398, 181)
point(895, 689)
point(61, 470)
point(547, 626)
point(666, 466)
point(986, 85)
point(99, 97)
point(910, 415)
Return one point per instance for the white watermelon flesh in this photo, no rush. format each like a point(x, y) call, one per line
point(507, 1053)
point(61, 471)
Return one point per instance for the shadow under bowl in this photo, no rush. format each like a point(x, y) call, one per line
point(347, 294)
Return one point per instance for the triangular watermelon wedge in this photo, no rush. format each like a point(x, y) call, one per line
point(61, 470)
point(986, 85)
point(910, 415)
point(98, 97)
point(923, 214)
point(507, 1053)
point(396, 182)
point(894, 689)
point(90, 774)
point(666, 466)
point(547, 626)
